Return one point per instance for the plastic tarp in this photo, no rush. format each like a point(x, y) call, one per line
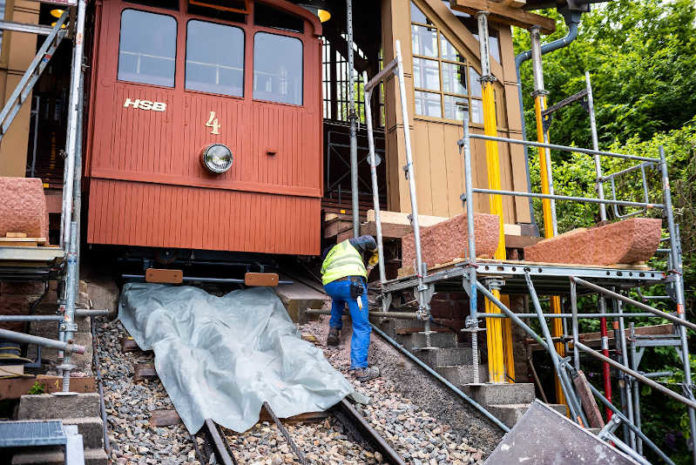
point(222, 357)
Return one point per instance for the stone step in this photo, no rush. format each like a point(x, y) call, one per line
point(91, 429)
point(392, 325)
point(417, 340)
point(562, 409)
point(508, 413)
point(447, 356)
point(501, 394)
point(55, 456)
point(51, 406)
point(462, 374)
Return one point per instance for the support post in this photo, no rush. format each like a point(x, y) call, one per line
point(606, 371)
point(375, 184)
point(494, 327)
point(421, 271)
point(472, 323)
point(675, 247)
point(74, 107)
point(548, 205)
point(353, 122)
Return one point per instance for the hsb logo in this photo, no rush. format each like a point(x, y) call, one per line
point(145, 105)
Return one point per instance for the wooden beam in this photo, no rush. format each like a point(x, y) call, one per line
point(503, 14)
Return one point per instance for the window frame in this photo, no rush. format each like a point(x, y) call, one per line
point(440, 60)
point(244, 58)
point(176, 48)
point(274, 32)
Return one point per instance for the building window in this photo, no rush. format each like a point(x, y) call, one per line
point(147, 50)
point(215, 58)
point(442, 76)
point(277, 68)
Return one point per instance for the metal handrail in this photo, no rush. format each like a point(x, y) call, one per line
point(564, 148)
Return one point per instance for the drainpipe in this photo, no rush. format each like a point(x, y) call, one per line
point(572, 19)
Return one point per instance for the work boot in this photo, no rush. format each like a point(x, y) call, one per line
point(332, 339)
point(366, 374)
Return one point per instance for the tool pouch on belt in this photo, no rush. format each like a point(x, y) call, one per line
point(356, 288)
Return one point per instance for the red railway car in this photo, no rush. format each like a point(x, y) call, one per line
point(205, 126)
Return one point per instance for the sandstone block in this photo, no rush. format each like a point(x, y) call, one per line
point(448, 240)
point(23, 207)
point(624, 242)
point(14, 305)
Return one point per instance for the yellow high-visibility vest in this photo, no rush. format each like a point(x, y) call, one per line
point(342, 260)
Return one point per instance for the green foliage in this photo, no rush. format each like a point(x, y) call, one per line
point(37, 388)
point(642, 61)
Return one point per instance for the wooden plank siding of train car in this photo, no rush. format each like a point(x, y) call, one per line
point(439, 168)
point(147, 184)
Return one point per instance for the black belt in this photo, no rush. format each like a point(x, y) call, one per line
point(349, 278)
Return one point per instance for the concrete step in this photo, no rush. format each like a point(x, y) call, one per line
point(51, 406)
point(91, 429)
point(447, 356)
point(508, 413)
point(417, 340)
point(392, 325)
point(462, 374)
point(54, 456)
point(501, 394)
point(560, 408)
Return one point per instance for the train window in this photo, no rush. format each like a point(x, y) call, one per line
point(267, 16)
point(277, 68)
point(215, 58)
point(147, 50)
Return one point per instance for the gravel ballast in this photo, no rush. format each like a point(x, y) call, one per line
point(420, 435)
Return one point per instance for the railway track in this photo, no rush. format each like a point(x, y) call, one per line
point(217, 449)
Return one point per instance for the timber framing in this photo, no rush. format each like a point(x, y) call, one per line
point(504, 14)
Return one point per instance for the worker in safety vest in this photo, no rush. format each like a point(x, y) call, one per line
point(344, 277)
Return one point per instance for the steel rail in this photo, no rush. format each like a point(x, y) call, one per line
point(221, 448)
point(298, 453)
point(351, 419)
point(565, 148)
point(440, 378)
point(625, 203)
point(635, 303)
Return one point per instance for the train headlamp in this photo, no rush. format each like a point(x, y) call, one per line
point(217, 158)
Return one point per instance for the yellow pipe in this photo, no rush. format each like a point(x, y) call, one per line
point(494, 326)
point(557, 325)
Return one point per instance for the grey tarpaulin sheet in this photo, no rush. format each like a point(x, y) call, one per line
point(222, 357)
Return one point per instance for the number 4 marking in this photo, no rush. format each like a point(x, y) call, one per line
point(213, 124)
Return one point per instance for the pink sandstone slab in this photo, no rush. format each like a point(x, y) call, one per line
point(624, 242)
point(448, 240)
point(23, 207)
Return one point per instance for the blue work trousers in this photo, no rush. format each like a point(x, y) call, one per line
point(340, 296)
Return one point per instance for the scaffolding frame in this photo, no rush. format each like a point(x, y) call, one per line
point(482, 276)
point(491, 278)
point(68, 273)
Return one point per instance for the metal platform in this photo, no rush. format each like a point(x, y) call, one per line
point(30, 263)
point(32, 433)
point(548, 278)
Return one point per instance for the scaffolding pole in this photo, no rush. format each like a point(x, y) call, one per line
point(353, 122)
point(548, 204)
point(499, 347)
point(70, 222)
